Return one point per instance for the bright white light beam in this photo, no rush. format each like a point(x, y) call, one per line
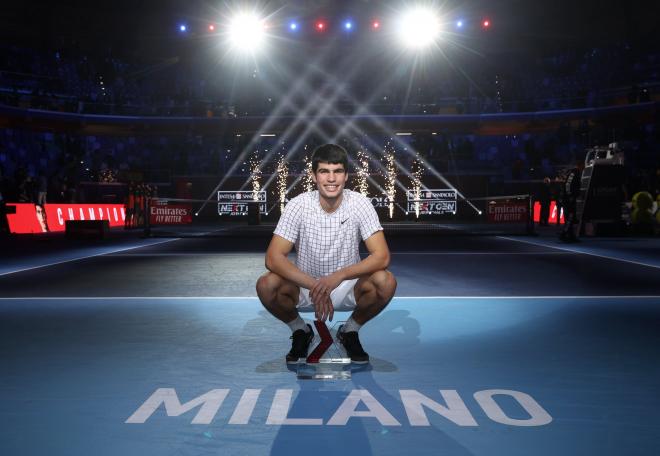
point(419, 28)
point(247, 32)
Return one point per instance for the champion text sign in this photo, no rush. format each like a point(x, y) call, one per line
point(52, 217)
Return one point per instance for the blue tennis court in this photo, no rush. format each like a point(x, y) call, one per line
point(451, 373)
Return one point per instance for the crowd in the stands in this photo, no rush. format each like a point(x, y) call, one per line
point(36, 161)
point(105, 84)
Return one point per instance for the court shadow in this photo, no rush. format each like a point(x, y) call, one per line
point(359, 435)
point(363, 435)
point(397, 327)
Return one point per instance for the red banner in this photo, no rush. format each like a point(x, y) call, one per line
point(170, 214)
point(552, 218)
point(33, 218)
point(507, 211)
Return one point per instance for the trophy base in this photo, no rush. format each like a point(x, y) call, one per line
point(325, 369)
point(328, 361)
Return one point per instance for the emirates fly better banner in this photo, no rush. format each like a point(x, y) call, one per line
point(170, 214)
point(508, 211)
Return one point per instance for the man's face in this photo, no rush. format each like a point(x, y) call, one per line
point(330, 179)
point(41, 217)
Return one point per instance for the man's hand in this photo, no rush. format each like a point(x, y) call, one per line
point(323, 308)
point(320, 295)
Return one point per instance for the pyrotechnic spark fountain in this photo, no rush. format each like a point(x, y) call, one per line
point(417, 171)
point(308, 182)
point(390, 177)
point(362, 172)
point(282, 175)
point(255, 175)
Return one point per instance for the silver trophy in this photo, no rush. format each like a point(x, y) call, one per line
point(328, 359)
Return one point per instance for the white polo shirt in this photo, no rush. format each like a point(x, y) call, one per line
point(326, 242)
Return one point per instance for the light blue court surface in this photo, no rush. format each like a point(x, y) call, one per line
point(574, 376)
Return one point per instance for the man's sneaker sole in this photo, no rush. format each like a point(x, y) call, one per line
point(296, 361)
point(360, 362)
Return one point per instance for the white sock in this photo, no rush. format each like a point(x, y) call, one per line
point(351, 325)
point(297, 324)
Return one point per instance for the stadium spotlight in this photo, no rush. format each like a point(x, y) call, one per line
point(459, 24)
point(293, 26)
point(486, 23)
point(211, 28)
point(375, 25)
point(183, 28)
point(419, 28)
point(246, 32)
point(320, 26)
point(348, 25)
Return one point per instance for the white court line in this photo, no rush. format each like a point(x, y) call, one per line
point(566, 249)
point(201, 254)
point(534, 297)
point(183, 254)
point(206, 298)
point(84, 257)
point(479, 253)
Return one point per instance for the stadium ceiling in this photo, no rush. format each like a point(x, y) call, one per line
point(127, 20)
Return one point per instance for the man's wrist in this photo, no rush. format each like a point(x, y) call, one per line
point(310, 283)
point(342, 275)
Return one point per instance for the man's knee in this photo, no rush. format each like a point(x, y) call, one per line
point(273, 289)
point(268, 283)
point(268, 287)
point(382, 284)
point(385, 284)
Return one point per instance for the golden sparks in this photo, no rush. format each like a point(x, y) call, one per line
point(363, 172)
point(255, 175)
point(417, 170)
point(390, 177)
point(308, 182)
point(282, 175)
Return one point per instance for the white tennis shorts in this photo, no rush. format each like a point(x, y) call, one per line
point(342, 297)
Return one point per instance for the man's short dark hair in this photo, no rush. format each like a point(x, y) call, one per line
point(329, 153)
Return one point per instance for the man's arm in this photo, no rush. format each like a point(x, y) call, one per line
point(277, 261)
point(378, 259)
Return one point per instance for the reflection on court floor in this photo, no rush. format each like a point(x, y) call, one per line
point(468, 376)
